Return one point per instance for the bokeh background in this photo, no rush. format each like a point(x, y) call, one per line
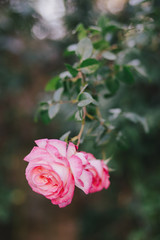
point(33, 37)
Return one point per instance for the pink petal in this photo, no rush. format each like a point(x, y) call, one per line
point(91, 156)
point(76, 166)
point(98, 166)
point(71, 150)
point(83, 158)
point(66, 197)
point(85, 181)
point(60, 145)
point(41, 142)
point(37, 153)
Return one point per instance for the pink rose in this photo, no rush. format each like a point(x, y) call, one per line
point(49, 171)
point(97, 172)
point(55, 168)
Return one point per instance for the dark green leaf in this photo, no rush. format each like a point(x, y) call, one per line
point(113, 85)
point(72, 70)
point(88, 62)
point(52, 84)
point(126, 75)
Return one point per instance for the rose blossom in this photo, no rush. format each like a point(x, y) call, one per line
point(97, 170)
point(49, 171)
point(55, 168)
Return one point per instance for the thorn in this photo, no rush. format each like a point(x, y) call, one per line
point(107, 161)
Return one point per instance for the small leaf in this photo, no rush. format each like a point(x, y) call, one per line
point(65, 136)
point(84, 48)
point(72, 47)
point(53, 110)
point(88, 96)
point(109, 56)
point(126, 75)
point(72, 70)
point(79, 115)
point(51, 85)
point(113, 85)
point(88, 62)
point(85, 102)
point(135, 118)
point(65, 74)
point(57, 94)
point(82, 90)
point(115, 113)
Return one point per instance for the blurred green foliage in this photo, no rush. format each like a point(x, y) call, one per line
point(130, 208)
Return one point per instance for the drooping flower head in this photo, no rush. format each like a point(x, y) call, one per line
point(49, 173)
point(55, 168)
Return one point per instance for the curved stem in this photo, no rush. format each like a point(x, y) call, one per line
point(82, 127)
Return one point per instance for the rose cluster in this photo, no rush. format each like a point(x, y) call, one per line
point(55, 168)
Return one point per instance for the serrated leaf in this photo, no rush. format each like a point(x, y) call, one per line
point(65, 136)
point(88, 62)
point(53, 110)
point(84, 48)
point(51, 85)
point(72, 70)
point(57, 95)
point(109, 55)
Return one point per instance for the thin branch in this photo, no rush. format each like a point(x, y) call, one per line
point(82, 126)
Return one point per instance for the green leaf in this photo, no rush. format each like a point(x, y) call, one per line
point(82, 90)
point(109, 55)
point(72, 70)
point(88, 96)
point(65, 136)
point(53, 110)
point(57, 95)
point(135, 118)
point(84, 48)
point(88, 62)
point(52, 84)
point(126, 75)
point(113, 85)
point(81, 31)
point(79, 115)
point(85, 102)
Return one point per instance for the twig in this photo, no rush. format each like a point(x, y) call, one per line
point(82, 127)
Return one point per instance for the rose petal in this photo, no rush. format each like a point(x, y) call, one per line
point(83, 158)
point(71, 150)
point(98, 166)
point(41, 142)
point(85, 181)
point(37, 153)
point(60, 145)
point(66, 197)
point(76, 166)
